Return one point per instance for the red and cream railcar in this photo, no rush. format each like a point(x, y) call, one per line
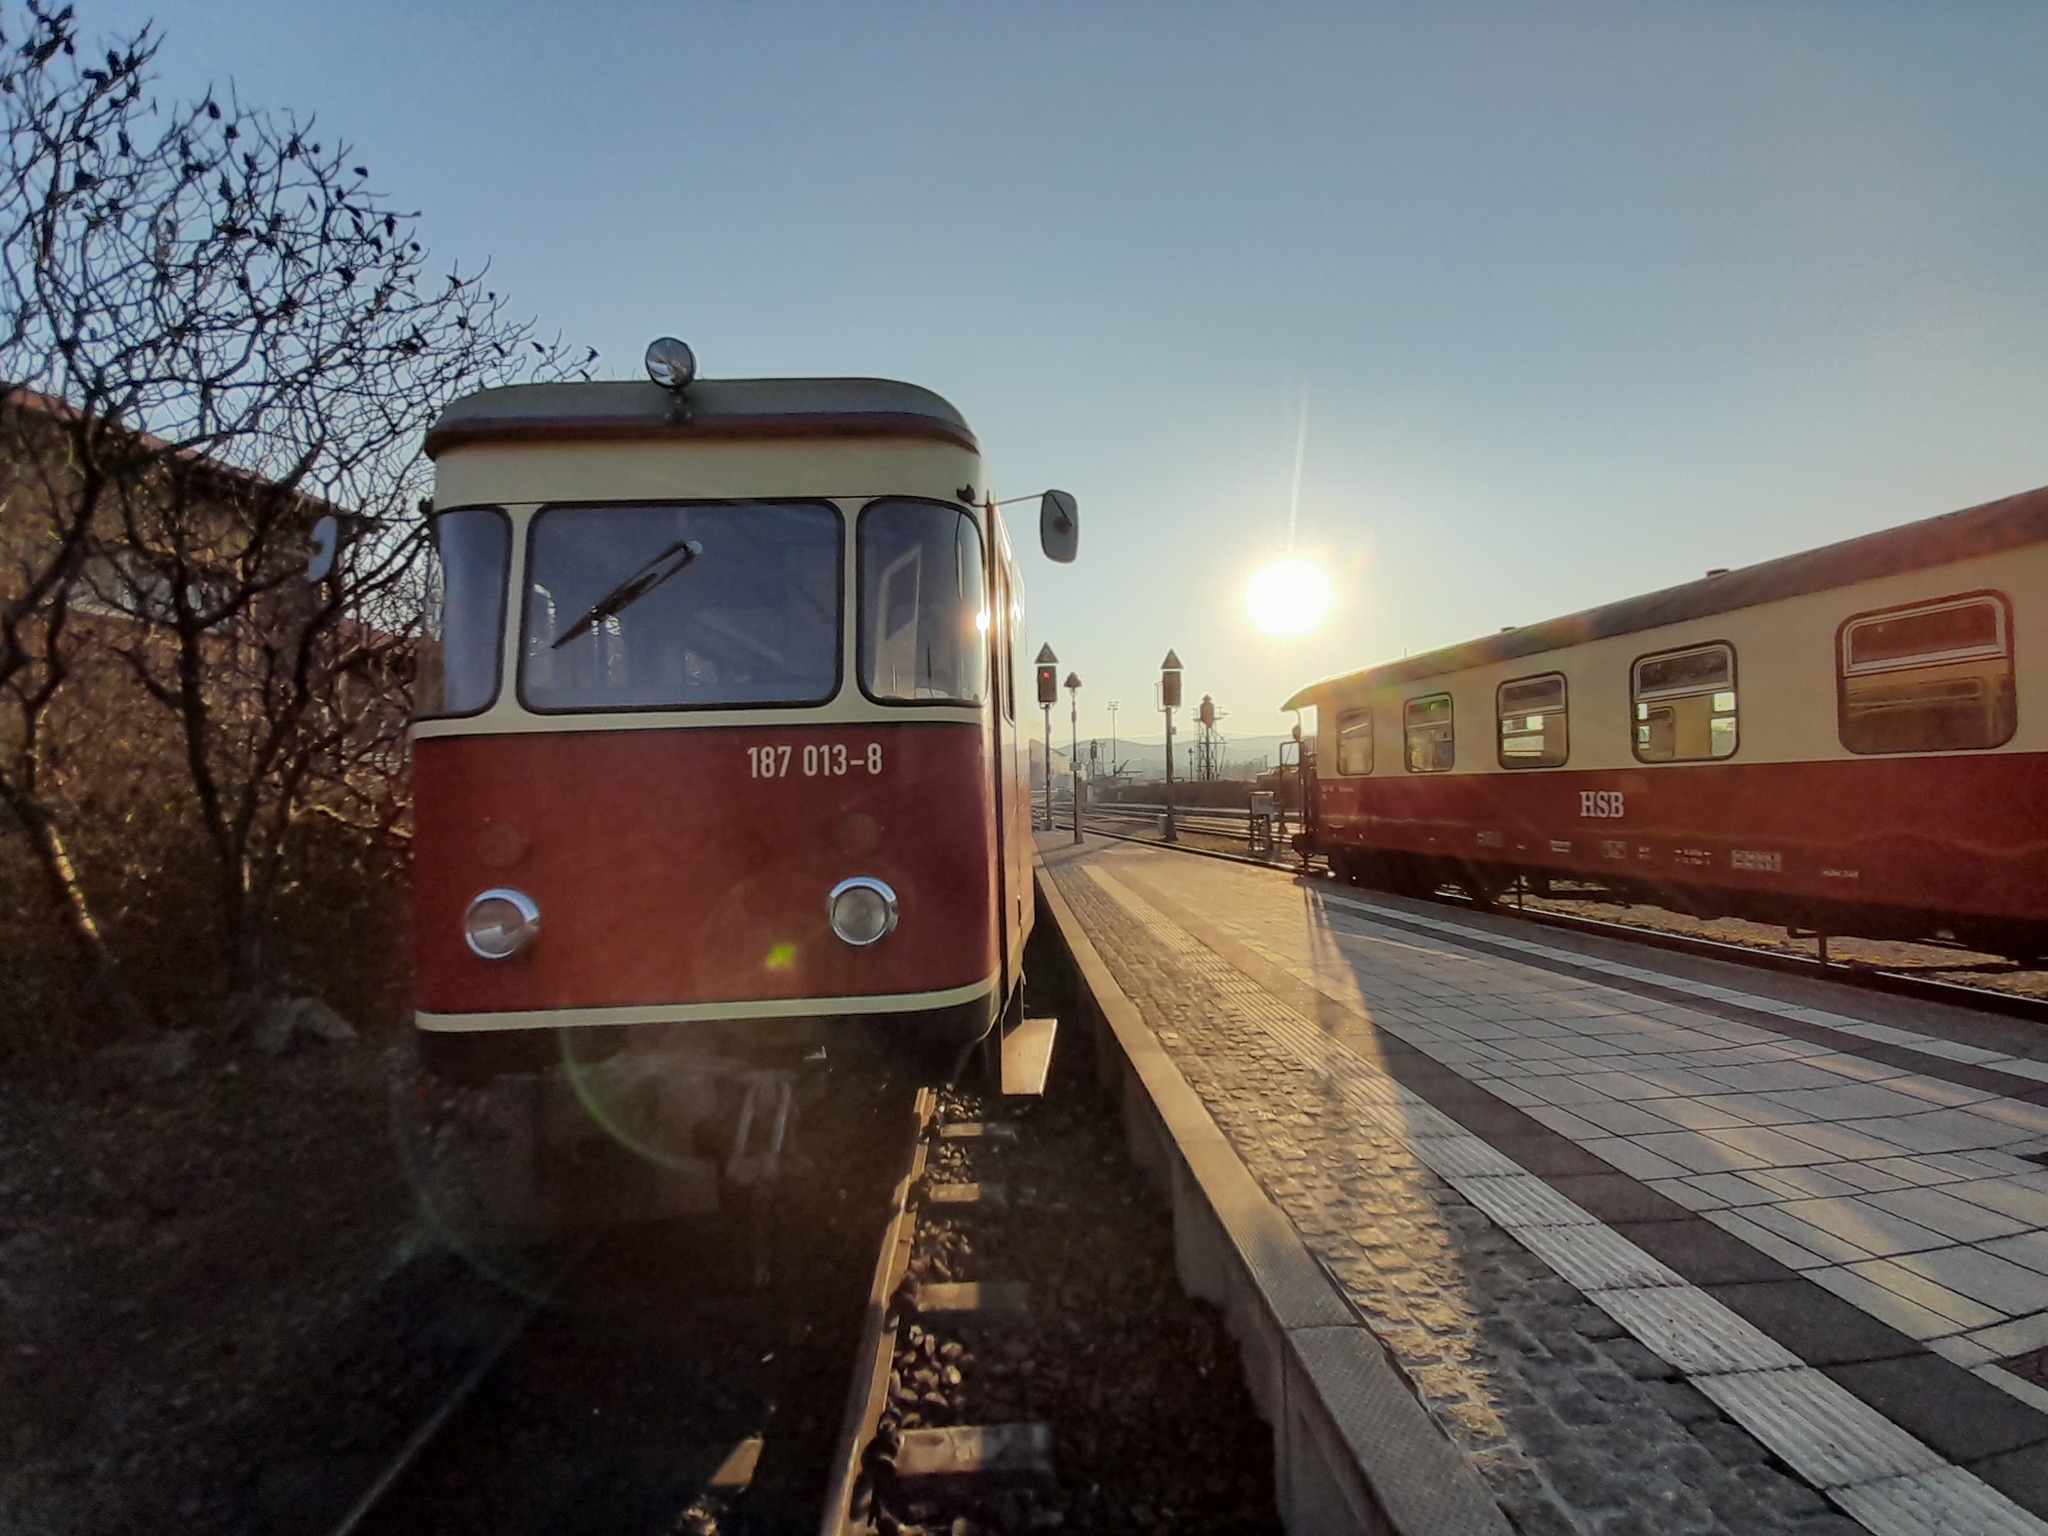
point(1853, 739)
point(726, 746)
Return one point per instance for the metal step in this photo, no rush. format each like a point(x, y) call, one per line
point(1027, 1057)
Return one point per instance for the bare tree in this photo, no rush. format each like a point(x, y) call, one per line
point(242, 336)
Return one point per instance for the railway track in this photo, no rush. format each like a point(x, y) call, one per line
point(1877, 978)
point(649, 1385)
point(904, 1456)
point(1022, 1359)
point(1029, 1363)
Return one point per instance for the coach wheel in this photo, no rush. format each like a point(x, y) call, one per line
point(1481, 888)
point(1407, 877)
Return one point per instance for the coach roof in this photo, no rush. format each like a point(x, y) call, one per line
point(619, 411)
point(1998, 525)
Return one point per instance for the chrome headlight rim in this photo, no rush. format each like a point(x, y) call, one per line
point(861, 883)
point(529, 921)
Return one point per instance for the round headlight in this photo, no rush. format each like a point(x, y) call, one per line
point(862, 910)
point(500, 923)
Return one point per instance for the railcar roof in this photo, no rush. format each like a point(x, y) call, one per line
point(627, 410)
point(2011, 523)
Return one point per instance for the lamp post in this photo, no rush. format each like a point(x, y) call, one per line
point(1073, 687)
point(1048, 694)
point(1112, 741)
point(1169, 700)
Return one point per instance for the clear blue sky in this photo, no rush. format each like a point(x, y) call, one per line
point(1588, 297)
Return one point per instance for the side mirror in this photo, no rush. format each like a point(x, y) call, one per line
point(320, 557)
point(1059, 526)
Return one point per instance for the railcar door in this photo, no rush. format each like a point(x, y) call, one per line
point(1307, 841)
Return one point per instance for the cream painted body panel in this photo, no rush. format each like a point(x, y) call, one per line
point(690, 1013)
point(496, 473)
point(1785, 677)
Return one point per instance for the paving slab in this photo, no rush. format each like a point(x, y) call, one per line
point(1371, 1062)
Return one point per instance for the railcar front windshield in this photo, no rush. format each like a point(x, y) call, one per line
point(923, 605)
point(750, 616)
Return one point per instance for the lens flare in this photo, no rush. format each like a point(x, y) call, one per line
point(1288, 597)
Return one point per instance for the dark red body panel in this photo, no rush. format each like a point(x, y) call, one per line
point(668, 872)
point(1952, 834)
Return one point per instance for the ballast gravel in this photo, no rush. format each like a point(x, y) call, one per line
point(1152, 1426)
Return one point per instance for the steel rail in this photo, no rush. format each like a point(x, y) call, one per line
point(409, 1453)
point(1848, 973)
point(868, 1395)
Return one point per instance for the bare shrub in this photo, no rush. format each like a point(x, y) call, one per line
point(216, 332)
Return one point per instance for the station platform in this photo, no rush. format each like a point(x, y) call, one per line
point(1642, 1242)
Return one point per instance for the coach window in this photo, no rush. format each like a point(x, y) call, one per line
point(1533, 730)
point(1685, 705)
point(1432, 745)
point(1354, 742)
point(923, 626)
point(681, 605)
point(459, 664)
point(1932, 678)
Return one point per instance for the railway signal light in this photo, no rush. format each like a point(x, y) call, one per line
point(1169, 682)
point(1048, 676)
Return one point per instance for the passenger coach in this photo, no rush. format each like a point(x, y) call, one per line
point(1852, 740)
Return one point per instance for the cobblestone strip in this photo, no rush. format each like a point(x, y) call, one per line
point(1577, 1426)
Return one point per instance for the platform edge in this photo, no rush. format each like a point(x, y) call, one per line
point(1354, 1450)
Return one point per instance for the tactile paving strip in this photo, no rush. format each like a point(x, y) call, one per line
point(1596, 1258)
point(1693, 1331)
point(1947, 1499)
point(1830, 1438)
point(1522, 1200)
point(1465, 1156)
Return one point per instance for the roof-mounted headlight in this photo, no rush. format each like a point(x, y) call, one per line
point(862, 911)
point(500, 923)
point(671, 363)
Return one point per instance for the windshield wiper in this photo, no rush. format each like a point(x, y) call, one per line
point(633, 588)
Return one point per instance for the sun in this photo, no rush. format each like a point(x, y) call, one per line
point(1288, 597)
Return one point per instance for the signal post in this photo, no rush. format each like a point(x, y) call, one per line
point(1048, 695)
point(1169, 701)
